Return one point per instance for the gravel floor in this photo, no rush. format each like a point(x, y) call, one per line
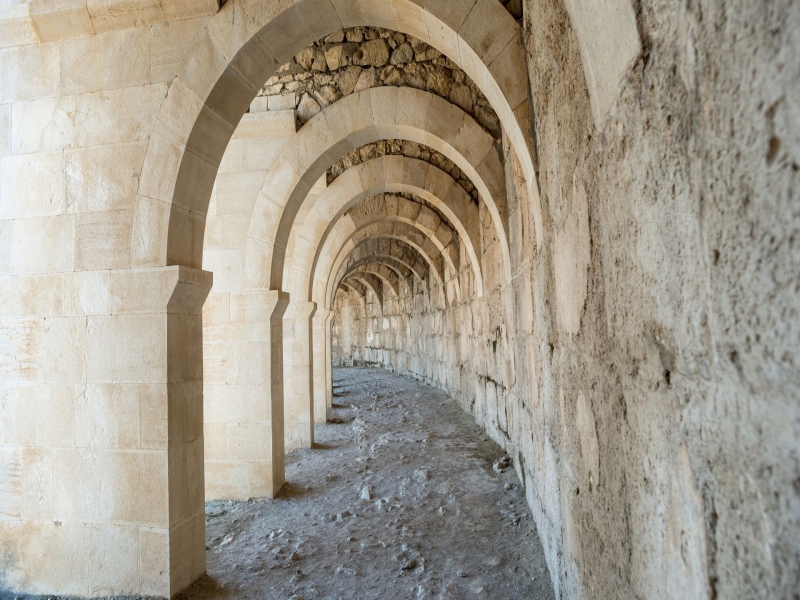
point(398, 500)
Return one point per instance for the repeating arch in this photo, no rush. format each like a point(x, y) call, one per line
point(437, 263)
point(385, 174)
point(402, 271)
point(370, 282)
point(390, 248)
point(350, 123)
point(243, 45)
point(387, 275)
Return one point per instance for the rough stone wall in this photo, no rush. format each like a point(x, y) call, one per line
point(360, 58)
point(402, 148)
point(644, 375)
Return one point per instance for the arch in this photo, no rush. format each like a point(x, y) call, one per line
point(370, 282)
point(395, 250)
point(387, 275)
point(384, 174)
point(402, 271)
point(244, 44)
point(364, 117)
point(356, 286)
point(385, 228)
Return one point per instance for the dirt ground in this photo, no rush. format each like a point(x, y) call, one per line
point(398, 499)
point(403, 496)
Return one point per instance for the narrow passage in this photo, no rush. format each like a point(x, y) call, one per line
point(398, 499)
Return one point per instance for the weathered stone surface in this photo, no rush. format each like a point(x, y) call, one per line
point(364, 60)
point(402, 54)
point(307, 107)
point(373, 53)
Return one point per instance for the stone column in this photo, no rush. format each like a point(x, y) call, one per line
point(298, 373)
point(320, 352)
point(329, 360)
point(101, 463)
point(245, 398)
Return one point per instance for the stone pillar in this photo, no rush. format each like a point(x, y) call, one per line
point(298, 373)
point(245, 398)
point(329, 360)
point(320, 351)
point(101, 463)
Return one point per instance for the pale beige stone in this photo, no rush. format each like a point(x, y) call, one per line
point(32, 185)
point(44, 244)
point(102, 240)
point(103, 178)
point(5, 129)
point(16, 25)
point(61, 19)
point(118, 14)
point(30, 72)
point(65, 349)
point(107, 61)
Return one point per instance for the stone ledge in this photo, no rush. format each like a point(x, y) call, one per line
point(46, 21)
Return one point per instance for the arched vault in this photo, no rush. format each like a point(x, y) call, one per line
point(385, 174)
point(399, 230)
point(245, 43)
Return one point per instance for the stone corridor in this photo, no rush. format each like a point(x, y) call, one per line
point(561, 231)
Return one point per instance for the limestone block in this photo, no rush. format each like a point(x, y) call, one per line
point(142, 359)
point(322, 18)
point(169, 45)
point(444, 119)
point(5, 129)
point(32, 295)
point(195, 182)
point(44, 244)
point(85, 480)
point(153, 555)
point(120, 14)
point(149, 232)
point(103, 177)
point(102, 240)
point(43, 125)
point(108, 416)
point(237, 192)
point(180, 112)
point(227, 231)
point(32, 185)
point(231, 95)
point(65, 349)
point(571, 257)
point(118, 115)
point(260, 104)
point(30, 72)
point(283, 102)
point(227, 264)
point(160, 171)
point(107, 61)
point(413, 107)
point(110, 548)
point(510, 72)
point(185, 9)
point(16, 26)
point(487, 29)
point(203, 66)
point(61, 19)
